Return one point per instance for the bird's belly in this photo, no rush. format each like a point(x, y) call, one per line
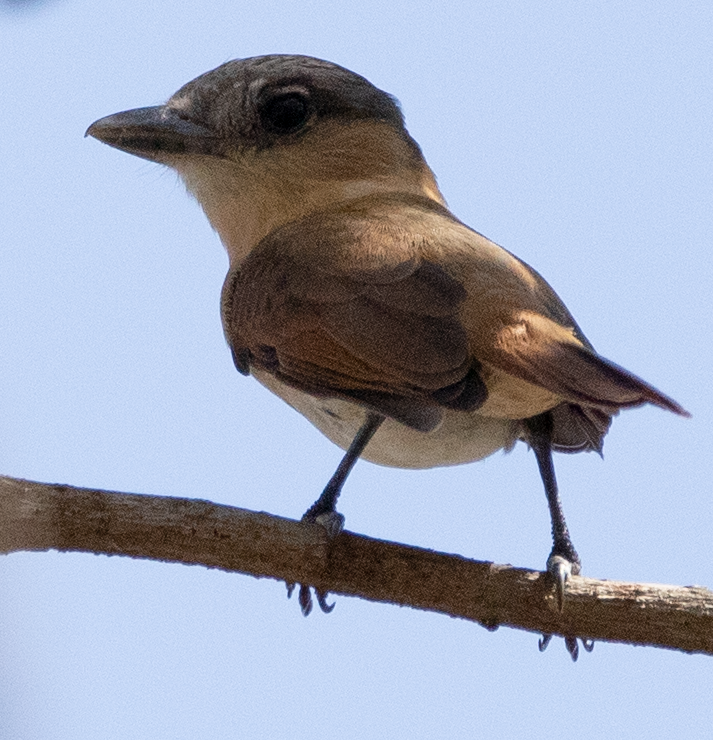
point(461, 437)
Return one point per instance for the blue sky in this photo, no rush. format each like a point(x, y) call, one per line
point(576, 135)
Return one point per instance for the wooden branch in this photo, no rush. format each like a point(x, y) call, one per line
point(40, 516)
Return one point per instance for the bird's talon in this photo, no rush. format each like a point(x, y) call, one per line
point(322, 601)
point(570, 643)
point(305, 599)
point(543, 642)
point(560, 569)
point(572, 647)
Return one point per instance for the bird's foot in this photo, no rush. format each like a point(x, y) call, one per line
point(562, 563)
point(333, 523)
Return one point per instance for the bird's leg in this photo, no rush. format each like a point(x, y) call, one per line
point(324, 510)
point(563, 560)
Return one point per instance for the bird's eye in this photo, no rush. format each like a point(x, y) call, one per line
point(287, 113)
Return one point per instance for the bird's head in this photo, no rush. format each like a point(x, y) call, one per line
point(266, 140)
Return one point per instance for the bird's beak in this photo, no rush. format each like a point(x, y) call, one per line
point(157, 133)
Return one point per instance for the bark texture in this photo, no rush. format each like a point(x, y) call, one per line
point(41, 516)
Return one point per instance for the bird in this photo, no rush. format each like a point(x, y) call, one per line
point(354, 293)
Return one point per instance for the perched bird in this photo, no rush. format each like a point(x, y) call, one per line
point(356, 296)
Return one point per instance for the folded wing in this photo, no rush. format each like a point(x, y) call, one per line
point(395, 304)
point(337, 305)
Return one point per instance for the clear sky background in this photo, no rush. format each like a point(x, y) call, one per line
point(577, 135)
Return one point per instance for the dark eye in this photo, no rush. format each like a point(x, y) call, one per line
point(286, 113)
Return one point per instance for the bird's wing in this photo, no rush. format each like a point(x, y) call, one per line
point(341, 303)
point(395, 303)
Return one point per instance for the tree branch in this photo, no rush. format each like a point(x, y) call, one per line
point(40, 516)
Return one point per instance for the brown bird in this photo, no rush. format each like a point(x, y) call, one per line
point(355, 295)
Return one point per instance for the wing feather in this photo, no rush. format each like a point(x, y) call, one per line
point(540, 351)
point(394, 303)
point(380, 325)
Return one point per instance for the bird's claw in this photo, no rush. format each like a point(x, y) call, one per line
point(570, 643)
point(572, 647)
point(305, 598)
point(560, 568)
point(322, 601)
point(542, 643)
